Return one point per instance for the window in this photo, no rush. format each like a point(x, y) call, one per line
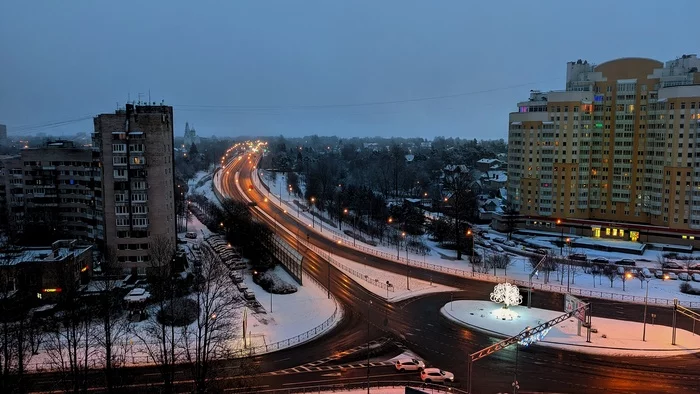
point(119, 148)
point(136, 148)
point(120, 210)
point(140, 222)
point(122, 222)
point(120, 173)
point(119, 160)
point(139, 209)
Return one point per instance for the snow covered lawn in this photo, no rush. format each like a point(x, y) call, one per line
point(292, 314)
point(623, 338)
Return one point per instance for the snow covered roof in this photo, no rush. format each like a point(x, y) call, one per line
point(488, 161)
point(498, 176)
point(137, 295)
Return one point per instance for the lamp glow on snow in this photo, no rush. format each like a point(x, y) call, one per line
point(507, 294)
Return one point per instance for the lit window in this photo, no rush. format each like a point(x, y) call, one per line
point(607, 231)
point(622, 233)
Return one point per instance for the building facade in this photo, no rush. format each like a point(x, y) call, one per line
point(135, 145)
point(616, 154)
point(53, 184)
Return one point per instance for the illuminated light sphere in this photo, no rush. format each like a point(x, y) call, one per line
point(507, 294)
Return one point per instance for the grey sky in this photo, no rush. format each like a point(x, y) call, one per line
point(62, 60)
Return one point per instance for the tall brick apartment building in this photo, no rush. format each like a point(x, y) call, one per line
point(135, 145)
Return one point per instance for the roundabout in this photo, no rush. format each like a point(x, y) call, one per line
point(503, 317)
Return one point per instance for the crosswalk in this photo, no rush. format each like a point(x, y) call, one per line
point(310, 368)
point(318, 365)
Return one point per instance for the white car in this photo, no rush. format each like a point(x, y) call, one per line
point(509, 243)
point(497, 248)
point(696, 277)
point(646, 273)
point(409, 364)
point(436, 375)
point(672, 276)
point(684, 276)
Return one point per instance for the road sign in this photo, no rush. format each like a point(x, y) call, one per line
point(573, 304)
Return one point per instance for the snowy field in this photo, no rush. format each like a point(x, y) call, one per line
point(289, 315)
point(660, 292)
point(623, 338)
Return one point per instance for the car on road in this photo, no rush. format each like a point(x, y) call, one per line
point(600, 260)
point(436, 375)
point(409, 364)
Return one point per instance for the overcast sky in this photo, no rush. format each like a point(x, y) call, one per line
point(306, 67)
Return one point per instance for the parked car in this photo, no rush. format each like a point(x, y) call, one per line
point(409, 364)
point(629, 262)
point(684, 276)
point(620, 271)
point(191, 235)
point(600, 260)
point(696, 277)
point(659, 274)
point(236, 277)
point(671, 265)
point(248, 294)
point(578, 257)
point(498, 240)
point(195, 247)
point(672, 276)
point(497, 248)
point(646, 273)
point(436, 375)
point(510, 243)
point(242, 287)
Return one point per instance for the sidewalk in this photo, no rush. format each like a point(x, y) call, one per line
point(614, 337)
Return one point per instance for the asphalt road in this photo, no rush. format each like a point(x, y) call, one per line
point(418, 323)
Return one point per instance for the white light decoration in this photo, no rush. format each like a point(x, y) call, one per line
point(535, 337)
point(506, 294)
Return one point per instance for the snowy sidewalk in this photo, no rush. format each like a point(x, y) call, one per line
point(614, 337)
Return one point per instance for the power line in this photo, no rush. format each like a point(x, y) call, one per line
point(365, 104)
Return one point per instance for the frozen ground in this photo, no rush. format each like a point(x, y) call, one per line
point(202, 184)
point(623, 338)
point(660, 292)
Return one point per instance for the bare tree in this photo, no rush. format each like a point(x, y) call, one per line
point(610, 272)
point(214, 325)
point(500, 261)
point(111, 338)
point(158, 337)
point(478, 264)
point(69, 342)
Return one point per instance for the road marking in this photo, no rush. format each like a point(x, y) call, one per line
point(247, 388)
point(335, 380)
point(331, 374)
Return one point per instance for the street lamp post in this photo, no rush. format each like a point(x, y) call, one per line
point(368, 312)
point(646, 299)
point(313, 217)
point(561, 239)
point(470, 234)
point(408, 271)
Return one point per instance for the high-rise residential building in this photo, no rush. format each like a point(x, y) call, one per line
point(136, 150)
point(53, 185)
point(3, 134)
point(616, 154)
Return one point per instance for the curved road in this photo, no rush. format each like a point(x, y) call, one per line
point(419, 325)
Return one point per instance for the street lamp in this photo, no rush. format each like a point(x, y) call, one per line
point(313, 217)
point(624, 279)
point(368, 312)
point(354, 226)
point(470, 234)
point(561, 240)
point(408, 272)
point(646, 299)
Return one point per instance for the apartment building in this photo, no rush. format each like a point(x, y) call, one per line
point(135, 145)
point(616, 154)
point(53, 184)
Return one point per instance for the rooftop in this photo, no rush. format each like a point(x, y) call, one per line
point(58, 251)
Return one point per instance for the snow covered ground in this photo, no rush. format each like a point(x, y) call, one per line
point(291, 315)
point(660, 292)
point(622, 338)
point(202, 184)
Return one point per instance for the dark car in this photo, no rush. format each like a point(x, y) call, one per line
point(578, 257)
point(629, 262)
point(600, 260)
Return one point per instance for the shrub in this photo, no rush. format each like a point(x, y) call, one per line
point(179, 312)
point(272, 283)
point(686, 288)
